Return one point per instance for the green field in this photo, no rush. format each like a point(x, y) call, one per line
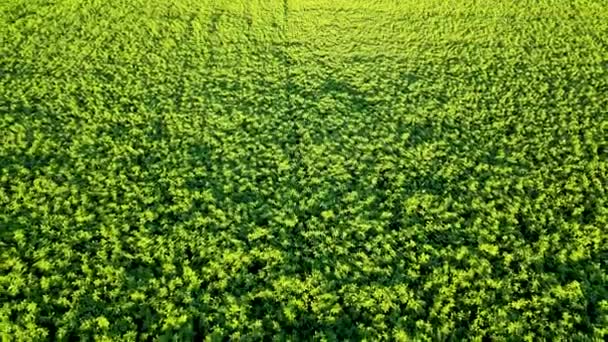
point(244, 170)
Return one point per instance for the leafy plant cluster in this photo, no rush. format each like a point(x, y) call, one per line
point(303, 170)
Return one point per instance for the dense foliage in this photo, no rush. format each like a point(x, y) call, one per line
point(303, 169)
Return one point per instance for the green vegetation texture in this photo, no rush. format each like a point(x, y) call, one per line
point(304, 170)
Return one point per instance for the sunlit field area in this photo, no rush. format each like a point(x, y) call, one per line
point(316, 170)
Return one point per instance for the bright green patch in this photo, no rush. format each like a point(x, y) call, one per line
point(303, 170)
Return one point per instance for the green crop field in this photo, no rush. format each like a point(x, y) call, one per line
point(316, 170)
